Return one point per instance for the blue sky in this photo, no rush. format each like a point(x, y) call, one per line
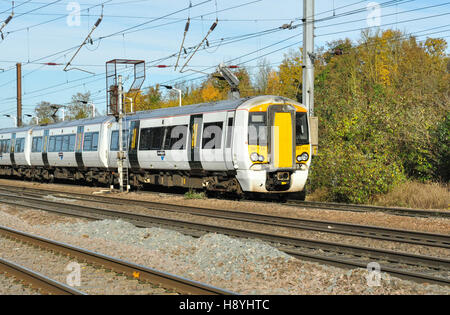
point(32, 44)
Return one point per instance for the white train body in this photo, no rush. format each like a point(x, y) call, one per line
point(259, 144)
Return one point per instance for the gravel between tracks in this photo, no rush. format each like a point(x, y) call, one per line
point(11, 286)
point(94, 280)
point(244, 266)
point(432, 225)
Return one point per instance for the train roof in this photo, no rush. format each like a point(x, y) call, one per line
point(218, 106)
point(192, 109)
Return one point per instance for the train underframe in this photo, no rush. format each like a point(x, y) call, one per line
point(220, 182)
point(210, 181)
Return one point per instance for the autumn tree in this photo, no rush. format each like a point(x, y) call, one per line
point(80, 107)
point(44, 111)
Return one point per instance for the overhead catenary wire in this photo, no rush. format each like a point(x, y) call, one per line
point(8, 19)
point(186, 29)
point(248, 53)
point(345, 31)
point(116, 33)
point(211, 29)
point(82, 44)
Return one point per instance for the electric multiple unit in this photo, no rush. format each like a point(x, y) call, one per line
point(259, 144)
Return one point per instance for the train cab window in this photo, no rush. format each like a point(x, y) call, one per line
point(257, 129)
point(176, 137)
point(212, 135)
point(90, 141)
point(151, 138)
point(301, 129)
point(36, 144)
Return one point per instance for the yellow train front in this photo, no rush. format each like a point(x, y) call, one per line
point(276, 154)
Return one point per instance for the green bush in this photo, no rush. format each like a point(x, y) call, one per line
point(354, 177)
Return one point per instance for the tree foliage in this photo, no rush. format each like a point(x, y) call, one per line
point(382, 102)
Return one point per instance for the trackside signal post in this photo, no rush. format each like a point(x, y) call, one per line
point(114, 102)
point(120, 154)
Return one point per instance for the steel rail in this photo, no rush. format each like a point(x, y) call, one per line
point(166, 280)
point(374, 232)
point(368, 208)
point(36, 280)
point(315, 205)
point(282, 242)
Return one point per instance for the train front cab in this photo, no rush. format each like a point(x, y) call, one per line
point(279, 149)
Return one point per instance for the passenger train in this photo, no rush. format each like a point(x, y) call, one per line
point(251, 145)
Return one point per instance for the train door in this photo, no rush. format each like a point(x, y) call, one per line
point(228, 151)
point(132, 145)
point(12, 149)
point(195, 132)
point(282, 136)
point(45, 148)
point(79, 147)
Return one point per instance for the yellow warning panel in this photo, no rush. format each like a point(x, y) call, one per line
point(283, 140)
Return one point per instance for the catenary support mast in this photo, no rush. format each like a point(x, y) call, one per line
point(19, 94)
point(308, 56)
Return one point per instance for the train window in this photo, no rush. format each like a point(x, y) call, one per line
point(87, 141)
point(8, 145)
point(65, 143)
point(2, 146)
point(257, 129)
point(212, 135)
point(36, 144)
point(39, 144)
point(90, 141)
point(229, 132)
point(114, 146)
point(115, 140)
point(175, 137)
point(58, 143)
point(51, 144)
point(151, 138)
point(301, 129)
point(20, 145)
point(72, 139)
point(94, 141)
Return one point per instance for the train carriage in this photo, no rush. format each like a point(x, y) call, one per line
point(15, 149)
point(259, 144)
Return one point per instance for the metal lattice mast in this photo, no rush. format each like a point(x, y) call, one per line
point(120, 153)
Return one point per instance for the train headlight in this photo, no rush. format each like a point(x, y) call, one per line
point(261, 158)
point(254, 157)
point(302, 157)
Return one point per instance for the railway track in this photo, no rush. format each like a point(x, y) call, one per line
point(367, 208)
point(374, 232)
point(44, 284)
point(424, 213)
point(349, 256)
point(165, 280)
